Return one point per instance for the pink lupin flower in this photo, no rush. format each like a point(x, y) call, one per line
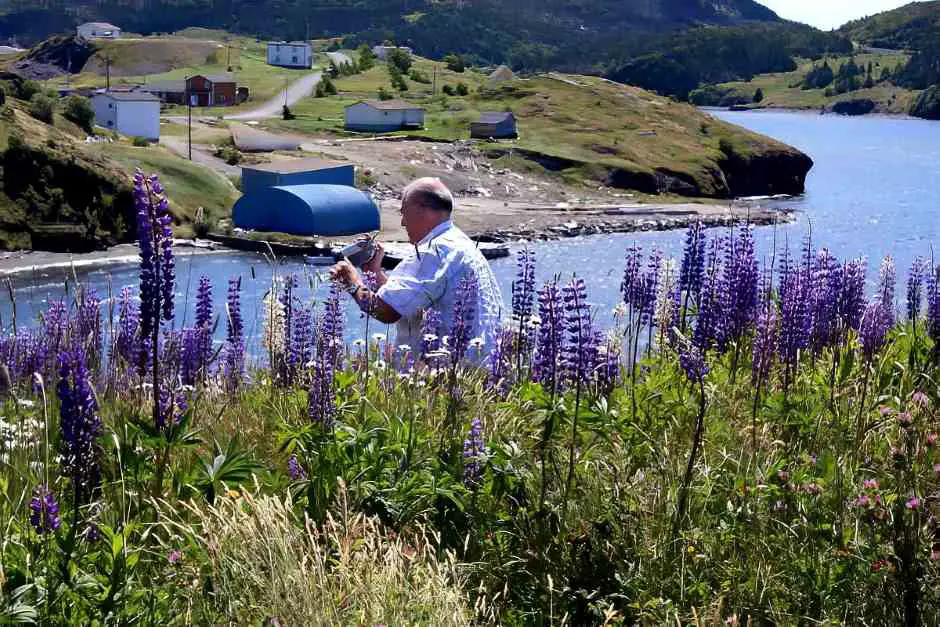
point(913, 503)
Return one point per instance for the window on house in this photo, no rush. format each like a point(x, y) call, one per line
point(295, 58)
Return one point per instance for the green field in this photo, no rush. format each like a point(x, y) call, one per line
point(783, 90)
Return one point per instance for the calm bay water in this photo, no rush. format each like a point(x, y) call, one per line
point(874, 190)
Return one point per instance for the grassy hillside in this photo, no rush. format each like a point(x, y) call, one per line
point(785, 89)
point(583, 128)
point(194, 51)
point(914, 26)
point(60, 193)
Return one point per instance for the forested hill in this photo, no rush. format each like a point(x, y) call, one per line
point(491, 29)
point(915, 26)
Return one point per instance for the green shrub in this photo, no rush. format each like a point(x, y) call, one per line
point(329, 87)
point(3, 95)
point(759, 95)
point(286, 113)
point(25, 90)
point(228, 153)
point(399, 59)
point(366, 58)
point(419, 77)
point(385, 94)
point(79, 111)
point(448, 90)
point(462, 89)
point(141, 142)
point(42, 107)
point(454, 63)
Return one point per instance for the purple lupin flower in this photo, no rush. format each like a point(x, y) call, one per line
point(692, 361)
point(577, 354)
point(204, 312)
point(55, 322)
point(234, 368)
point(321, 395)
point(430, 331)
point(127, 345)
point(631, 287)
point(499, 361)
point(301, 341)
point(874, 328)
point(823, 294)
point(646, 293)
point(765, 343)
point(795, 322)
point(88, 324)
point(191, 353)
point(887, 278)
point(157, 273)
point(295, 471)
point(172, 406)
point(915, 289)
point(79, 424)
point(473, 456)
point(710, 325)
point(740, 284)
point(549, 338)
point(933, 309)
point(523, 287)
point(607, 366)
point(331, 329)
point(44, 511)
point(464, 316)
point(852, 296)
point(692, 270)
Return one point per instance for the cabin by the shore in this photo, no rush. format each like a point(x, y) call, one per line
point(494, 125)
point(136, 114)
point(98, 30)
point(383, 116)
point(295, 54)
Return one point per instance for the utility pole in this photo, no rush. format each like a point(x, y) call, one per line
point(189, 106)
point(107, 65)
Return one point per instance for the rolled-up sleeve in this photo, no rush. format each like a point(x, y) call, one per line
point(418, 286)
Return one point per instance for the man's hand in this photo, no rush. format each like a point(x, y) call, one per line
point(374, 265)
point(345, 274)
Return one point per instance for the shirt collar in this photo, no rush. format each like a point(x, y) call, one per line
point(437, 230)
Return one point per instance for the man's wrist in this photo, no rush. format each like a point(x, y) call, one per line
point(353, 288)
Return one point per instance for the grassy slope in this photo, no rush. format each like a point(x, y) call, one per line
point(185, 54)
point(618, 132)
point(192, 185)
point(782, 90)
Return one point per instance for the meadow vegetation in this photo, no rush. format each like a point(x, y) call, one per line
point(733, 444)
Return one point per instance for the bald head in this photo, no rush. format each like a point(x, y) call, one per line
point(429, 193)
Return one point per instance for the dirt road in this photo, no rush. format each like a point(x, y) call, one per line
point(272, 108)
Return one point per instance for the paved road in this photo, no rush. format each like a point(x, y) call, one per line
point(201, 155)
point(272, 108)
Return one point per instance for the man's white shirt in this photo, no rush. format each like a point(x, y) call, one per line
point(429, 277)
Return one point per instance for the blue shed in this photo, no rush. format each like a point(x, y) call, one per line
point(327, 210)
point(297, 172)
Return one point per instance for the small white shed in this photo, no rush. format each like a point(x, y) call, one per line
point(290, 54)
point(133, 113)
point(382, 116)
point(98, 30)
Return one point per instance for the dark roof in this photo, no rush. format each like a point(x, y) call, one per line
point(296, 165)
point(495, 117)
point(389, 105)
point(131, 96)
point(165, 86)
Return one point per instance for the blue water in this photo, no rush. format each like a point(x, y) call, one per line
point(874, 190)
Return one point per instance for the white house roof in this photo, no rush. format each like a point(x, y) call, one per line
point(102, 25)
point(130, 96)
point(389, 105)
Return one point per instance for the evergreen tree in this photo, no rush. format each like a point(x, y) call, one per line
point(759, 95)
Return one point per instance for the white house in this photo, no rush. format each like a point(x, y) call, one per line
point(130, 113)
point(290, 54)
point(98, 30)
point(381, 52)
point(380, 116)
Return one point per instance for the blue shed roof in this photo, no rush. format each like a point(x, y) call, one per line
point(327, 210)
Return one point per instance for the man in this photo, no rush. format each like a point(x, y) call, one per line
point(430, 276)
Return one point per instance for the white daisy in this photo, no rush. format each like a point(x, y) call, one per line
point(359, 343)
point(477, 343)
point(404, 348)
point(378, 337)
